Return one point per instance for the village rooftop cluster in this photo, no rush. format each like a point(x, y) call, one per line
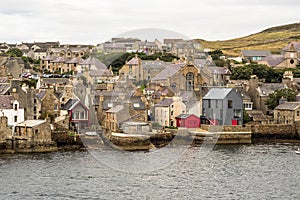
point(66, 88)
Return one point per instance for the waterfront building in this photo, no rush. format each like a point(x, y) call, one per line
point(223, 106)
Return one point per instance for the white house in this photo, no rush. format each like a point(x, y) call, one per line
point(10, 108)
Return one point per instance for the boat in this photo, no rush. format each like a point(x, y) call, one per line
point(297, 151)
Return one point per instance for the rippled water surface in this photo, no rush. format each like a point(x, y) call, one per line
point(225, 172)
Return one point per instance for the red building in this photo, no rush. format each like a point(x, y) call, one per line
point(188, 121)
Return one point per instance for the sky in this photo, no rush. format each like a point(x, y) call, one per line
point(96, 21)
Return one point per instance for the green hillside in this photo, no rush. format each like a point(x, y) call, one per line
point(273, 39)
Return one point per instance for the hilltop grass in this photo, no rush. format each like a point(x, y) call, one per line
point(273, 39)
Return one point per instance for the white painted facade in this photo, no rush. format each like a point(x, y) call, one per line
point(14, 115)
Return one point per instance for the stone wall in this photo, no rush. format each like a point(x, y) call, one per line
point(275, 131)
point(225, 128)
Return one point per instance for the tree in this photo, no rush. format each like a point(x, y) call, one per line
point(273, 99)
point(268, 74)
point(246, 117)
point(14, 52)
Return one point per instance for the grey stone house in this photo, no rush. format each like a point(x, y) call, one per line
point(223, 106)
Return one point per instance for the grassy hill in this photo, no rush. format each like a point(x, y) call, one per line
point(273, 39)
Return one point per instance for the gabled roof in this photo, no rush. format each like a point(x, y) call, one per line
point(252, 53)
point(166, 102)
point(133, 61)
point(154, 64)
point(273, 60)
point(288, 106)
point(169, 71)
point(217, 93)
point(71, 103)
point(94, 61)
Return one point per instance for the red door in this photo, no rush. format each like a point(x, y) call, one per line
point(234, 122)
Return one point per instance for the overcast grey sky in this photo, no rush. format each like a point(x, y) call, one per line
point(95, 21)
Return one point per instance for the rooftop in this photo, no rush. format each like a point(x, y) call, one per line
point(31, 123)
point(217, 93)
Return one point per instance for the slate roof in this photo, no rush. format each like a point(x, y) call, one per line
point(267, 88)
point(168, 71)
point(219, 70)
point(115, 101)
point(154, 64)
point(41, 50)
point(256, 115)
point(6, 102)
point(288, 106)
point(116, 109)
point(49, 58)
point(30, 123)
point(94, 61)
point(74, 60)
point(55, 81)
point(184, 44)
point(166, 102)
point(4, 87)
point(100, 73)
point(40, 95)
point(133, 61)
point(3, 79)
point(217, 93)
point(252, 53)
point(70, 104)
point(273, 60)
point(59, 60)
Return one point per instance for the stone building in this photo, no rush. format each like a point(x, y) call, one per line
point(259, 92)
point(180, 77)
point(150, 68)
point(287, 59)
point(287, 113)
point(132, 69)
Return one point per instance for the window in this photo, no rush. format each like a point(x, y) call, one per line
point(76, 115)
point(15, 106)
point(216, 103)
point(36, 132)
point(15, 118)
point(82, 116)
point(34, 101)
point(209, 103)
point(172, 113)
point(237, 113)
point(229, 103)
point(298, 113)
